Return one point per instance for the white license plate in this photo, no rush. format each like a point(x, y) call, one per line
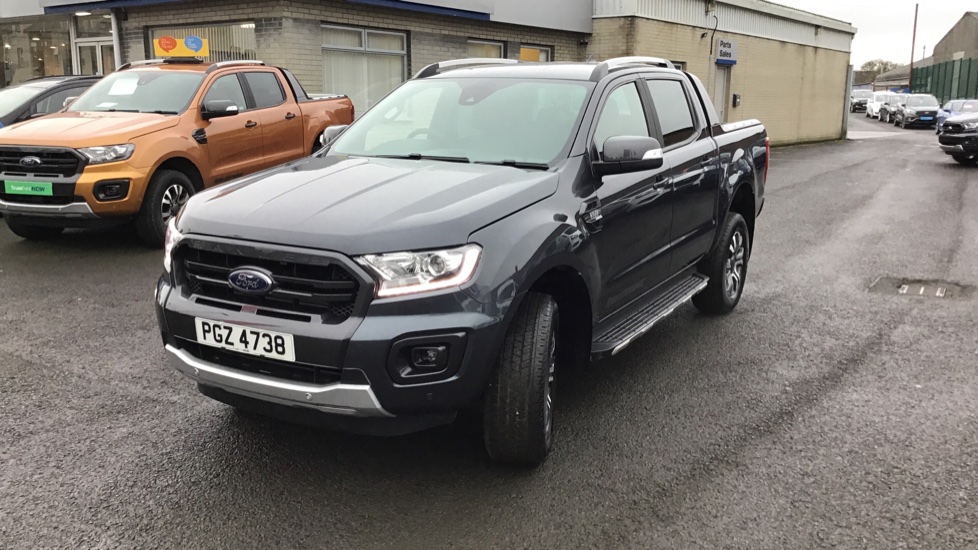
point(263, 343)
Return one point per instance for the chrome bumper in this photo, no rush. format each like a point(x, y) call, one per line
point(73, 210)
point(342, 399)
point(952, 148)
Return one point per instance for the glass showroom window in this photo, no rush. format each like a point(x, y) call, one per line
point(542, 54)
point(484, 48)
point(363, 64)
point(35, 47)
point(226, 42)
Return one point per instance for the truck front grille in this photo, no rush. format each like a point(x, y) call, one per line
point(52, 163)
point(952, 128)
point(328, 291)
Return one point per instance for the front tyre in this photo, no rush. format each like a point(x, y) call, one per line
point(966, 160)
point(726, 266)
point(518, 407)
point(168, 191)
point(26, 230)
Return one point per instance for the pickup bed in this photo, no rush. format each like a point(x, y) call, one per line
point(139, 143)
point(484, 231)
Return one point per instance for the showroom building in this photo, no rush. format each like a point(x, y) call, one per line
point(760, 60)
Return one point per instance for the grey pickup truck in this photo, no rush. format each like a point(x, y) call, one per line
point(486, 229)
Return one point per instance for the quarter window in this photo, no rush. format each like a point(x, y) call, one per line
point(672, 108)
point(622, 115)
point(266, 88)
point(227, 88)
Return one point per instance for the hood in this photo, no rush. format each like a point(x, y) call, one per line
point(961, 119)
point(363, 206)
point(85, 129)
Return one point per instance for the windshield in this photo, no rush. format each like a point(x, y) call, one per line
point(12, 98)
point(897, 99)
point(167, 92)
point(922, 101)
point(476, 119)
point(862, 94)
point(969, 107)
point(880, 98)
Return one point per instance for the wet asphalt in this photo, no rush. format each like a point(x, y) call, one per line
point(818, 415)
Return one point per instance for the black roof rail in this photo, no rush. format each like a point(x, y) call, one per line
point(620, 63)
point(243, 62)
point(436, 68)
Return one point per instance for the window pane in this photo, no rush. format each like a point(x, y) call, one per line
point(266, 89)
point(622, 116)
point(34, 48)
point(342, 38)
point(230, 42)
point(532, 53)
point(366, 78)
point(97, 25)
point(227, 88)
point(672, 107)
point(56, 101)
point(384, 41)
point(483, 49)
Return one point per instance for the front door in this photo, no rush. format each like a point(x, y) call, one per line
point(233, 144)
point(281, 121)
point(95, 57)
point(633, 241)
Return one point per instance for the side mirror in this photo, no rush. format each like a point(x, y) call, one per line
point(627, 154)
point(219, 108)
point(69, 101)
point(331, 133)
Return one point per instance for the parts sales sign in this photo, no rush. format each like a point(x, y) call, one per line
point(726, 52)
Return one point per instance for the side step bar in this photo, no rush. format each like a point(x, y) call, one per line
point(616, 338)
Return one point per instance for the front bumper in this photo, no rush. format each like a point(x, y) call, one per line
point(917, 121)
point(957, 144)
point(858, 107)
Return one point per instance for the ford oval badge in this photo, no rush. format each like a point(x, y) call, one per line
point(251, 280)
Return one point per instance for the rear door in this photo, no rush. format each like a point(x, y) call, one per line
point(694, 164)
point(282, 130)
point(632, 240)
point(233, 144)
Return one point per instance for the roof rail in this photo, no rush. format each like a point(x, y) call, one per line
point(620, 63)
point(167, 60)
point(221, 64)
point(132, 64)
point(436, 68)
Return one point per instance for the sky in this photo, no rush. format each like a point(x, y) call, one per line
point(885, 27)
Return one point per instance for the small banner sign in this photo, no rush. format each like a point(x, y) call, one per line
point(191, 46)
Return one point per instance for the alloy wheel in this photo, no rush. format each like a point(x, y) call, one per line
point(733, 269)
point(174, 198)
point(548, 416)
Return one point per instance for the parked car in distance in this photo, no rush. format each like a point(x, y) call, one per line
point(917, 110)
point(858, 100)
point(956, 108)
point(144, 139)
point(959, 138)
point(487, 228)
point(40, 96)
point(890, 107)
point(874, 105)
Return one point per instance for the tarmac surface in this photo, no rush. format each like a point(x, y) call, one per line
point(818, 415)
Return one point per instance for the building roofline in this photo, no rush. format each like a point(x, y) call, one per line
point(794, 14)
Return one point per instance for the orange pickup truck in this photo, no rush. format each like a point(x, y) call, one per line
point(144, 139)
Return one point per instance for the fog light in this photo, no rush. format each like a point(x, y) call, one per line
point(429, 357)
point(111, 190)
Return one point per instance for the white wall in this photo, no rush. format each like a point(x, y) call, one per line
point(20, 8)
point(568, 15)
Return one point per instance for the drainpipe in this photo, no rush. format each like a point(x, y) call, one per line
point(116, 41)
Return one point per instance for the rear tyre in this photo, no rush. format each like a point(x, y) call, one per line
point(726, 266)
point(966, 160)
point(26, 230)
point(168, 191)
point(518, 407)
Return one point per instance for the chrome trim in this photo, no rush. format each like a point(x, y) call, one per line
point(73, 210)
point(662, 315)
point(343, 399)
point(952, 148)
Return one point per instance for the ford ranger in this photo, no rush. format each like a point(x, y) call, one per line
point(487, 228)
point(139, 143)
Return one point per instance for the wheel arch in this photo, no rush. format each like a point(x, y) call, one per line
point(185, 166)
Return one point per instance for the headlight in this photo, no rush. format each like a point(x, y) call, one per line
point(108, 153)
point(911, 112)
point(173, 238)
point(403, 273)
point(970, 125)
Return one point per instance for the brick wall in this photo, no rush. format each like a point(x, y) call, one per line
point(288, 31)
point(797, 91)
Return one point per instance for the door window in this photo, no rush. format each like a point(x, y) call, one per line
point(227, 88)
point(622, 115)
point(672, 107)
point(56, 101)
point(266, 89)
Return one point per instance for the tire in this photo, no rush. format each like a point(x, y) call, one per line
point(168, 191)
point(729, 257)
point(26, 230)
point(966, 160)
point(882, 117)
point(518, 406)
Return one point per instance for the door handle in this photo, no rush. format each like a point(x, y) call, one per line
point(289, 116)
point(251, 124)
point(662, 184)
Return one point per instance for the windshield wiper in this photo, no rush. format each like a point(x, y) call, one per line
point(419, 156)
point(519, 164)
point(161, 112)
